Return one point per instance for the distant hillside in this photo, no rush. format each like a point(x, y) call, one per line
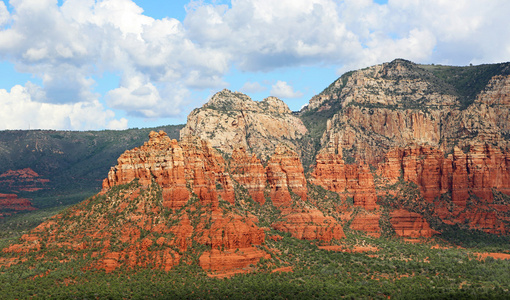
point(55, 168)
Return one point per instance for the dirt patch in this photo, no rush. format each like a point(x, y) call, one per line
point(437, 246)
point(483, 256)
point(355, 249)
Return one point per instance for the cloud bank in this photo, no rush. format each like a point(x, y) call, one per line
point(162, 62)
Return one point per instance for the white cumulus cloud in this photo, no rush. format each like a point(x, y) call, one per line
point(282, 89)
point(67, 46)
point(19, 111)
point(4, 14)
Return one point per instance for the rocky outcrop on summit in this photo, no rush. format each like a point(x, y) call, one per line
point(231, 120)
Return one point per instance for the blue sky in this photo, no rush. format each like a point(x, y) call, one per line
point(116, 64)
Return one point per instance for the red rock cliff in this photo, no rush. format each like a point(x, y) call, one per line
point(353, 180)
point(470, 178)
point(285, 174)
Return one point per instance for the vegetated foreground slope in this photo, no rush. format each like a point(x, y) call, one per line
point(55, 168)
point(173, 216)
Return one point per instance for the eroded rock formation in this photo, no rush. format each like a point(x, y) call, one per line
point(250, 173)
point(285, 175)
point(309, 224)
point(410, 224)
point(410, 124)
point(354, 180)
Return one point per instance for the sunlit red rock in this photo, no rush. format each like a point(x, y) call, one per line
point(173, 165)
point(284, 174)
point(309, 224)
point(367, 222)
point(410, 224)
point(250, 173)
point(355, 180)
point(470, 176)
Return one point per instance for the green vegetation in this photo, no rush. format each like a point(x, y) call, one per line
point(469, 81)
point(398, 270)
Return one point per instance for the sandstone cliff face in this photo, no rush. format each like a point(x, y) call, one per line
point(398, 104)
point(383, 107)
point(194, 163)
point(461, 186)
point(487, 119)
point(285, 174)
point(354, 181)
point(173, 165)
point(231, 120)
point(250, 173)
point(410, 224)
point(309, 224)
